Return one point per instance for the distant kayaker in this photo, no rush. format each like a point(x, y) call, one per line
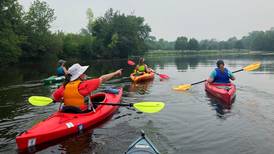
point(141, 68)
point(221, 74)
point(61, 69)
point(76, 89)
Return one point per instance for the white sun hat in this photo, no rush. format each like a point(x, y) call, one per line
point(76, 70)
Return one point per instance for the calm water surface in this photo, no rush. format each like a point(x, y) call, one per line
point(192, 122)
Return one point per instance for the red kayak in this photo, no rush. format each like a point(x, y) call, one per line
point(225, 92)
point(60, 124)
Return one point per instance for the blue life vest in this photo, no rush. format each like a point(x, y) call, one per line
point(60, 71)
point(221, 77)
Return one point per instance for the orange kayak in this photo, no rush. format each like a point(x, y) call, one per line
point(142, 78)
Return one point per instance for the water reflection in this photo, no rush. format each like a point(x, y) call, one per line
point(78, 144)
point(140, 88)
point(176, 127)
point(221, 108)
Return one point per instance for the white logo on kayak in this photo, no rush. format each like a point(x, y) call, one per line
point(141, 146)
point(69, 124)
point(31, 142)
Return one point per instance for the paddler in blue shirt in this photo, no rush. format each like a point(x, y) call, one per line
point(221, 74)
point(61, 69)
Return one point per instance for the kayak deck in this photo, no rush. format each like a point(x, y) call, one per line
point(142, 146)
point(142, 78)
point(61, 124)
point(225, 92)
point(53, 79)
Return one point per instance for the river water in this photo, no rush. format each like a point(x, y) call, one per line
point(192, 122)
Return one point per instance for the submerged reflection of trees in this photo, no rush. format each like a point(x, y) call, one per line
point(185, 62)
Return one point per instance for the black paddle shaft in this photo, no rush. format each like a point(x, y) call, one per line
point(113, 104)
point(198, 82)
point(238, 71)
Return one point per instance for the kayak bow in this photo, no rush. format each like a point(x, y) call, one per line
point(53, 79)
point(142, 146)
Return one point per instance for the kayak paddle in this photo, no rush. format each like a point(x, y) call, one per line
point(163, 76)
point(248, 68)
point(146, 107)
point(130, 62)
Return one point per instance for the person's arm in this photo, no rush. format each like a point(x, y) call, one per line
point(58, 94)
point(212, 76)
point(147, 69)
point(136, 69)
point(231, 75)
point(65, 70)
point(107, 77)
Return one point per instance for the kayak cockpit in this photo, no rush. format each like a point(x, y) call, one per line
point(97, 98)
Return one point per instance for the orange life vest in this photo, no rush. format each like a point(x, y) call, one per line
point(72, 97)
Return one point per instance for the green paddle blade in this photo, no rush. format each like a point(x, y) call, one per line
point(149, 107)
point(40, 100)
point(252, 67)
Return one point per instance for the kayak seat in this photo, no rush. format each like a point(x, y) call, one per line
point(98, 98)
point(139, 74)
point(71, 109)
point(224, 87)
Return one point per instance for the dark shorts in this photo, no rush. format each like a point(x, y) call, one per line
point(72, 109)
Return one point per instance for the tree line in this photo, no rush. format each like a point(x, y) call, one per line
point(26, 35)
point(256, 40)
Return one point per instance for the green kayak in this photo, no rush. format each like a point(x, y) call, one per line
point(142, 146)
point(53, 79)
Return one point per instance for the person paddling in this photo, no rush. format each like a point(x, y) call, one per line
point(61, 69)
point(76, 89)
point(221, 74)
point(141, 68)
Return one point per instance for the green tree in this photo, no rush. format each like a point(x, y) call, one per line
point(181, 43)
point(258, 40)
point(90, 17)
point(39, 17)
point(209, 44)
point(239, 45)
point(151, 43)
point(161, 44)
point(193, 44)
point(119, 35)
point(39, 38)
point(231, 42)
point(10, 31)
point(269, 36)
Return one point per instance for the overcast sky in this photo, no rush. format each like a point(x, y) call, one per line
point(201, 19)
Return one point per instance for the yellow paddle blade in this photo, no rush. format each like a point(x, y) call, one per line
point(252, 67)
point(40, 100)
point(183, 87)
point(149, 107)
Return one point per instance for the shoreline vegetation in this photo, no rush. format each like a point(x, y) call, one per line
point(25, 35)
point(152, 53)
